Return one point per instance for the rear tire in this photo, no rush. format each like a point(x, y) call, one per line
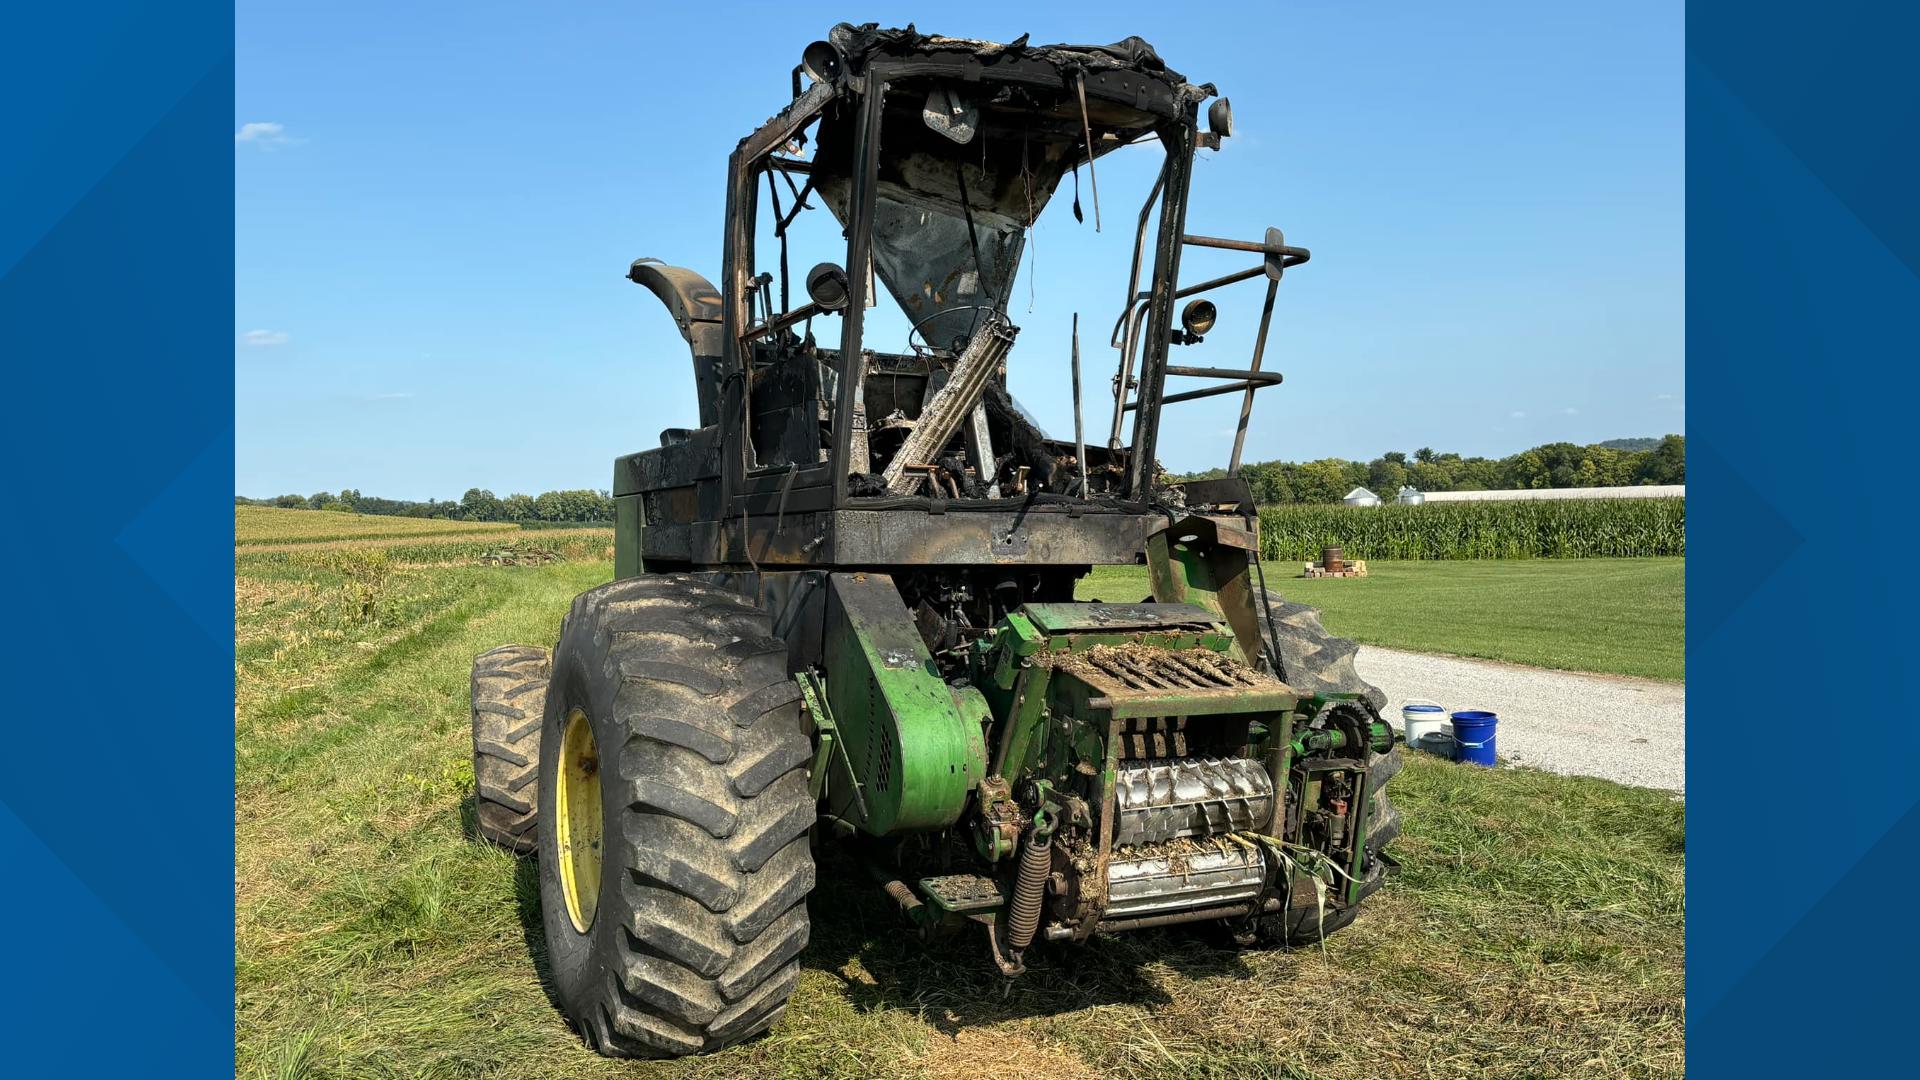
point(1316, 662)
point(699, 913)
point(509, 696)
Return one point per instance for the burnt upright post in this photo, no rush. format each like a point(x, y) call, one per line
point(1166, 280)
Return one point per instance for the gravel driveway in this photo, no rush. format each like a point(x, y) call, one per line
point(1629, 730)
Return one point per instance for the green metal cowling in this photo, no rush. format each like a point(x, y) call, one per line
point(913, 746)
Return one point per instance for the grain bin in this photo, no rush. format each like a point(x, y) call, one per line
point(1410, 496)
point(1361, 497)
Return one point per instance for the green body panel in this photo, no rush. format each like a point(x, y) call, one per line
point(1099, 618)
point(1079, 627)
point(1176, 703)
point(627, 517)
point(905, 741)
point(1207, 561)
point(977, 714)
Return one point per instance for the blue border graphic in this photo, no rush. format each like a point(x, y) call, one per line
point(116, 329)
point(1803, 242)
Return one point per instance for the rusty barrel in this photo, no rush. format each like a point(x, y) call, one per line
point(1333, 559)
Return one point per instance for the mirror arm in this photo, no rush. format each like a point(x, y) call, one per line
point(773, 326)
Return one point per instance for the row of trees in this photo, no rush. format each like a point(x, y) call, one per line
point(478, 504)
point(1554, 465)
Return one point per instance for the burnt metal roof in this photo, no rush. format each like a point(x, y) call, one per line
point(861, 43)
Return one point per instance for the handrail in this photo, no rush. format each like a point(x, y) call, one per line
point(780, 322)
point(1279, 256)
point(1264, 378)
point(1211, 391)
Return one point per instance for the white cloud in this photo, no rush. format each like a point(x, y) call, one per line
point(1517, 414)
point(261, 339)
point(264, 134)
point(1571, 411)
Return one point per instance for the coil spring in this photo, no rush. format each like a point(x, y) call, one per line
point(1029, 889)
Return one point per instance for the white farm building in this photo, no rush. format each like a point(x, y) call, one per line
point(1644, 491)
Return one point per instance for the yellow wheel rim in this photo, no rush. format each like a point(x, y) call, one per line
point(576, 822)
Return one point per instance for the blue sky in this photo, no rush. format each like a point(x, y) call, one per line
point(436, 204)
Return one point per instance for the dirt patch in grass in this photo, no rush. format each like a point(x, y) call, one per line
point(972, 1053)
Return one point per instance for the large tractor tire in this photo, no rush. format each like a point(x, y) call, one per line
point(1315, 660)
point(1308, 926)
point(1318, 662)
point(673, 881)
point(509, 703)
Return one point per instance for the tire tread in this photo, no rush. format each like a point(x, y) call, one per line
point(711, 842)
point(508, 697)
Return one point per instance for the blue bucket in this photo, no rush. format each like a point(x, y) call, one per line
point(1473, 733)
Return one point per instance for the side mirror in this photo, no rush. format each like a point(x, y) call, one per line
point(1220, 118)
point(821, 61)
point(949, 114)
point(827, 286)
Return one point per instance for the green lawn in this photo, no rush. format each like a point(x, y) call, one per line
point(1536, 928)
point(1619, 616)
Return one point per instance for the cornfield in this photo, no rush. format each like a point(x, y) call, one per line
point(1570, 529)
point(277, 525)
point(516, 547)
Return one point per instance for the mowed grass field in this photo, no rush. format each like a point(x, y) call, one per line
point(1535, 928)
point(1616, 616)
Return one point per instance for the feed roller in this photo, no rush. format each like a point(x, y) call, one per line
point(1162, 800)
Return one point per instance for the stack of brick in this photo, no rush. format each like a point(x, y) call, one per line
point(1334, 563)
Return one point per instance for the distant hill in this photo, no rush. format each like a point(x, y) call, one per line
point(1635, 445)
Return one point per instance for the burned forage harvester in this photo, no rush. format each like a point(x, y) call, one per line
point(844, 602)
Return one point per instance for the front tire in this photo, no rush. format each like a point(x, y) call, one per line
point(691, 838)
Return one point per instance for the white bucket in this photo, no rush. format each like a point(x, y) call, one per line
point(1424, 724)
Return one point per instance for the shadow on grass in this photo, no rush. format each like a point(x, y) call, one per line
point(526, 897)
point(470, 820)
point(861, 938)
